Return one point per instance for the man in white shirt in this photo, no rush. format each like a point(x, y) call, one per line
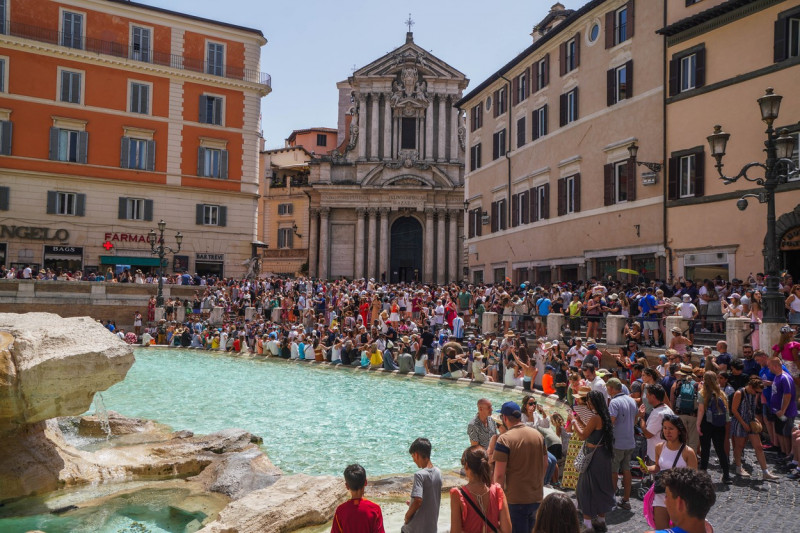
point(688, 311)
point(576, 352)
point(652, 428)
point(27, 272)
point(594, 380)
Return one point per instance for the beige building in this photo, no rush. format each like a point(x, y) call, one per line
point(721, 57)
point(283, 210)
point(388, 202)
point(551, 188)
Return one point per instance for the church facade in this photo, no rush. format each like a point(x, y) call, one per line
point(388, 202)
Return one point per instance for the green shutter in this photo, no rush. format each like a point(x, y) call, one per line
point(148, 209)
point(222, 219)
point(202, 118)
point(151, 155)
point(223, 164)
point(54, 135)
point(198, 214)
point(124, 152)
point(83, 146)
point(80, 207)
point(122, 210)
point(5, 193)
point(52, 198)
point(201, 153)
point(7, 130)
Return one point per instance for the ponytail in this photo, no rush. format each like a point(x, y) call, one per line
point(477, 461)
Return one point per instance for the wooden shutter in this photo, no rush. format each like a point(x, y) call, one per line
point(535, 125)
point(562, 197)
point(608, 184)
point(151, 155)
point(223, 164)
point(52, 198)
point(577, 193)
point(781, 30)
point(222, 218)
point(521, 132)
point(545, 214)
point(611, 17)
point(494, 217)
point(124, 152)
point(471, 224)
point(577, 49)
point(479, 221)
point(122, 208)
point(674, 71)
point(198, 214)
point(631, 18)
point(202, 110)
point(562, 111)
point(201, 156)
point(54, 134)
point(83, 146)
point(7, 131)
point(524, 212)
point(577, 101)
point(148, 209)
point(217, 111)
point(514, 210)
point(672, 178)
point(630, 171)
point(534, 77)
point(629, 79)
point(5, 193)
point(611, 85)
point(515, 84)
point(544, 121)
point(80, 204)
point(700, 68)
point(503, 214)
point(562, 59)
point(699, 174)
point(546, 69)
point(496, 107)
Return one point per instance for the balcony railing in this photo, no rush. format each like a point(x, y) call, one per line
point(132, 53)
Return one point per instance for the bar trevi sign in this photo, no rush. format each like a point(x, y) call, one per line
point(33, 233)
point(791, 239)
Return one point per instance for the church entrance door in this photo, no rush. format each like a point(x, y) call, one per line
point(406, 252)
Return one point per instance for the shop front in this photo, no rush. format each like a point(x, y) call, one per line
point(121, 263)
point(63, 258)
point(208, 264)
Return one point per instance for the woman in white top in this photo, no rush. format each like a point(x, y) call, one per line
point(672, 453)
point(421, 362)
point(734, 309)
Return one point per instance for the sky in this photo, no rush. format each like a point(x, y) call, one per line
point(313, 44)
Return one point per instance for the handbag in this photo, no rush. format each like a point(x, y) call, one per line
point(756, 427)
point(475, 507)
point(584, 457)
point(658, 485)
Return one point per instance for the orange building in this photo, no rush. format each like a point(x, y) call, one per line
point(318, 141)
point(116, 115)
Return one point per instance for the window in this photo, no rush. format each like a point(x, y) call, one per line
point(521, 132)
point(520, 87)
point(211, 109)
point(140, 44)
point(570, 54)
point(139, 154)
point(475, 157)
point(72, 30)
point(3, 17)
point(285, 238)
point(66, 203)
point(499, 215)
point(519, 209)
point(499, 144)
point(594, 33)
point(215, 59)
point(476, 117)
point(70, 90)
point(687, 70)
point(686, 174)
point(475, 222)
point(620, 83)
point(140, 98)
point(68, 145)
point(787, 35)
point(408, 133)
point(500, 102)
point(322, 139)
point(135, 209)
point(539, 121)
point(285, 209)
point(6, 129)
point(619, 182)
point(619, 24)
point(211, 215)
point(569, 107)
point(540, 203)
point(542, 73)
point(569, 195)
point(212, 162)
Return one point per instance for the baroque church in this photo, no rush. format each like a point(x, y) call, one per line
point(388, 202)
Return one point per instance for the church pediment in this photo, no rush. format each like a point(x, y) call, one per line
point(419, 175)
point(410, 55)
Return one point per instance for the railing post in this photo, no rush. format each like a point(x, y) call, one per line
point(614, 326)
point(736, 329)
point(555, 321)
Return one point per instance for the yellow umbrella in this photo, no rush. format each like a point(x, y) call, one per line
point(628, 271)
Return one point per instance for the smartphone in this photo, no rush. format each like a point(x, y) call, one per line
point(642, 464)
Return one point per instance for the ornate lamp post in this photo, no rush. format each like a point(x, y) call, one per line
point(157, 248)
point(778, 168)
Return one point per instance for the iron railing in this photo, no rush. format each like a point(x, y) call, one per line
point(131, 53)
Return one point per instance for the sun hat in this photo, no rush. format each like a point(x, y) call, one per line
point(676, 329)
point(510, 409)
point(687, 297)
point(583, 391)
point(613, 297)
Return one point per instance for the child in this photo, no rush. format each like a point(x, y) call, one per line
point(357, 515)
point(426, 492)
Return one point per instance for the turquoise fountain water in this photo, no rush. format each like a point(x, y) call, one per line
point(312, 419)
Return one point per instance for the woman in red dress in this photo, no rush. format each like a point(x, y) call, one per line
point(151, 309)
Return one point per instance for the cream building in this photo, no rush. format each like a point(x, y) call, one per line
point(388, 202)
point(552, 190)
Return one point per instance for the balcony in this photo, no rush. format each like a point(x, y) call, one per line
point(131, 53)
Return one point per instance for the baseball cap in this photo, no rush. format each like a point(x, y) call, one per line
point(510, 409)
point(591, 346)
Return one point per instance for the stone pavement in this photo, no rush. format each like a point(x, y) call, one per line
point(748, 505)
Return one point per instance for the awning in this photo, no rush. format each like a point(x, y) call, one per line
point(57, 257)
point(126, 260)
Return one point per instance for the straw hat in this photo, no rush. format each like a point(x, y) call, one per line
point(583, 391)
point(405, 340)
point(510, 334)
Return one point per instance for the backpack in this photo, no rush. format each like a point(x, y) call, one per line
point(687, 395)
point(715, 414)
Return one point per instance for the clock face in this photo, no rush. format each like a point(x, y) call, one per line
point(488, 103)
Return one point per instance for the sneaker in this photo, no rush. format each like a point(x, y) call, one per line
point(794, 475)
point(705, 330)
point(624, 504)
point(727, 480)
point(740, 472)
point(766, 475)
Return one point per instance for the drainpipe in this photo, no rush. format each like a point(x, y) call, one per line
point(664, 185)
point(508, 157)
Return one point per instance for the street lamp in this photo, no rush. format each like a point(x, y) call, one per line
point(778, 168)
point(157, 248)
point(633, 150)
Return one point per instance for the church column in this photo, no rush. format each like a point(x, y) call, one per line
point(371, 255)
point(440, 249)
point(387, 127)
point(359, 256)
point(428, 251)
point(441, 124)
point(453, 132)
point(374, 135)
point(324, 246)
point(395, 136)
point(384, 259)
point(362, 127)
point(312, 242)
point(429, 131)
point(452, 255)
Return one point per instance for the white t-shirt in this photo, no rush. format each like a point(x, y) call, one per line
point(703, 291)
point(575, 353)
point(654, 427)
point(599, 385)
point(687, 309)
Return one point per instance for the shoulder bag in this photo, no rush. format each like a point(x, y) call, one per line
point(584, 457)
point(475, 507)
point(658, 486)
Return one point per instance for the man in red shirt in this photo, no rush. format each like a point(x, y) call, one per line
point(357, 515)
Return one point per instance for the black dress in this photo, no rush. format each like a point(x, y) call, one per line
point(595, 491)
